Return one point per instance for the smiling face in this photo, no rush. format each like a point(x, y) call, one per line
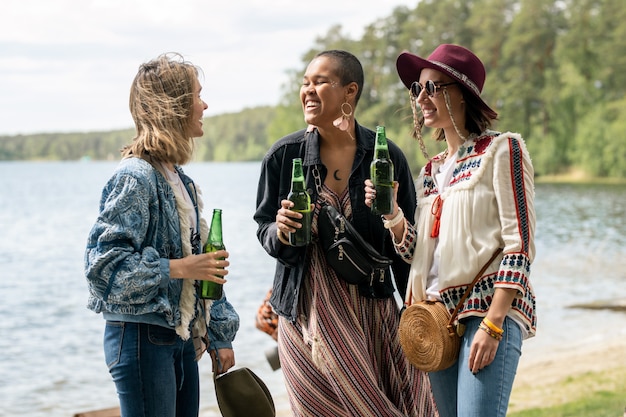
point(197, 110)
point(434, 110)
point(321, 93)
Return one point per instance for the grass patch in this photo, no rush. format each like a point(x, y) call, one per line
point(591, 394)
point(598, 404)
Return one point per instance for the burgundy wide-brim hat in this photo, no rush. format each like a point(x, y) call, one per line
point(456, 61)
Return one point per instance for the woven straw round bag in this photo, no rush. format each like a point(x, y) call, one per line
point(429, 342)
point(428, 336)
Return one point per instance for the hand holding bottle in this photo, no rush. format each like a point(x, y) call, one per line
point(287, 219)
point(211, 289)
point(381, 172)
point(216, 263)
point(394, 221)
point(203, 267)
point(293, 219)
point(370, 196)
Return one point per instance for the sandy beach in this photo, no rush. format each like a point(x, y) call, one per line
point(548, 373)
point(576, 352)
point(583, 350)
point(551, 378)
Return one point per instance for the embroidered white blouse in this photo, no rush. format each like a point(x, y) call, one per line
point(487, 204)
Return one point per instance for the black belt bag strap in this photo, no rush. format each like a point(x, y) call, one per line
point(353, 259)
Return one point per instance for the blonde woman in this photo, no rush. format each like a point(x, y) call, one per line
point(143, 255)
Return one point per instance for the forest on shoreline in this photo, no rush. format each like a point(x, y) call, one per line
point(555, 73)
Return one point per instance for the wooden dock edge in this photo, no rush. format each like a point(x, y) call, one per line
point(107, 412)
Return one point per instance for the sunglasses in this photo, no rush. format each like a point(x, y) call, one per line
point(431, 88)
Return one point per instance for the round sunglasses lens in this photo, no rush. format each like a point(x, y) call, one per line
point(416, 88)
point(431, 88)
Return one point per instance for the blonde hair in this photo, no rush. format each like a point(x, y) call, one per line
point(161, 100)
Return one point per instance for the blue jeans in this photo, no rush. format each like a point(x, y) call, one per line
point(458, 392)
point(154, 370)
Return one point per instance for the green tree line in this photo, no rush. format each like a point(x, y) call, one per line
point(556, 73)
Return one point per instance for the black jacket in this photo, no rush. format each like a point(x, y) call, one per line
point(275, 184)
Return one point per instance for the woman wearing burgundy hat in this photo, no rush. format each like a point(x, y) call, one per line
point(473, 199)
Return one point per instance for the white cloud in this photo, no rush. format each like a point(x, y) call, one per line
point(66, 65)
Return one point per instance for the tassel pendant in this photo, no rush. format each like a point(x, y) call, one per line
point(436, 211)
point(341, 123)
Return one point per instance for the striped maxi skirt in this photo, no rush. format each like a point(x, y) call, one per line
point(342, 356)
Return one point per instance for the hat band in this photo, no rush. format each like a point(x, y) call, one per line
point(462, 77)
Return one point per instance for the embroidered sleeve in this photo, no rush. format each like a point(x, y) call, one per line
point(406, 246)
point(514, 189)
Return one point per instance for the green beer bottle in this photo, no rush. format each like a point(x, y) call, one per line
point(209, 289)
point(381, 172)
point(301, 203)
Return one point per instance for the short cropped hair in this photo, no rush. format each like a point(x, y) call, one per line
point(349, 69)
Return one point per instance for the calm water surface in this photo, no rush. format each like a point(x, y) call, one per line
point(51, 358)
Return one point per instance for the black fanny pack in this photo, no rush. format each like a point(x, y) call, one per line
point(353, 259)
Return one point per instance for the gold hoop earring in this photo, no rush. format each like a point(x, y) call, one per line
point(343, 122)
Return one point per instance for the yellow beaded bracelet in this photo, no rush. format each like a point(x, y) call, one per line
point(492, 326)
point(490, 332)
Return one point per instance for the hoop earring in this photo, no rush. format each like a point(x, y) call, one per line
point(342, 122)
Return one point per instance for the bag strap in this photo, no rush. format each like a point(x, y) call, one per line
point(318, 180)
point(450, 326)
point(471, 286)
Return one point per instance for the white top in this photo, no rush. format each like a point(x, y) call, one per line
point(180, 190)
point(442, 179)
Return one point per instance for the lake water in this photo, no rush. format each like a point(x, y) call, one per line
point(51, 358)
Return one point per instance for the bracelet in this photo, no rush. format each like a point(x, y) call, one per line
point(490, 332)
point(388, 224)
point(282, 238)
point(492, 326)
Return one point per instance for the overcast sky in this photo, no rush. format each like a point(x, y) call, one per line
point(67, 65)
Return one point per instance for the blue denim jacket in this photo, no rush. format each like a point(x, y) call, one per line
point(129, 247)
point(274, 185)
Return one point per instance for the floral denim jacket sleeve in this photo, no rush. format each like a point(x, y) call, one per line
point(224, 324)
